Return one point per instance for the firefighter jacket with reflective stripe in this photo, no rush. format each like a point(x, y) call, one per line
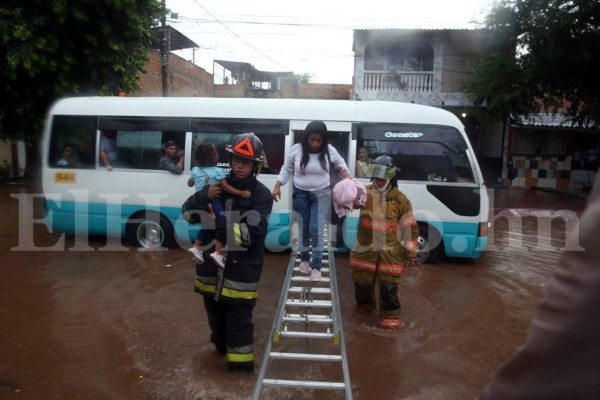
point(387, 232)
point(238, 281)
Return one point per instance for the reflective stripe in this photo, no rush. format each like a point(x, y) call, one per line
point(205, 287)
point(209, 280)
point(363, 264)
point(377, 225)
point(394, 269)
point(239, 294)
point(237, 357)
point(408, 221)
point(389, 323)
point(244, 286)
point(242, 349)
point(410, 245)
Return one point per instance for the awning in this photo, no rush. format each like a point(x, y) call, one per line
point(177, 40)
point(241, 68)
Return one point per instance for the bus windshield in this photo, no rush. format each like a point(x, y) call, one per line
point(423, 153)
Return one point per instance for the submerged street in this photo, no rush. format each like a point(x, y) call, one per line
point(127, 325)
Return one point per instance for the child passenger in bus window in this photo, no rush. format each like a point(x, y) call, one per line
point(207, 173)
point(68, 157)
point(363, 163)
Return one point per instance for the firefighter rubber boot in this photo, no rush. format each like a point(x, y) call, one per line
point(244, 367)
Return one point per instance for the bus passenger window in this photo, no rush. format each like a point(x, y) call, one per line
point(222, 131)
point(72, 142)
point(273, 152)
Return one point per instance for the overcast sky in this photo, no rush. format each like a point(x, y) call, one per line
point(310, 36)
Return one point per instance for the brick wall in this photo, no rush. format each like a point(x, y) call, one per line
point(189, 80)
point(185, 78)
point(293, 90)
point(324, 91)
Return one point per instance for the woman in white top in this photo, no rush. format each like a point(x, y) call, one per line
point(308, 162)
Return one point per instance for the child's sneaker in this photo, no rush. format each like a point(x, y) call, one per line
point(304, 267)
point(196, 255)
point(219, 259)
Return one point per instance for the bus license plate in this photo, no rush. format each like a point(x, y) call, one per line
point(64, 177)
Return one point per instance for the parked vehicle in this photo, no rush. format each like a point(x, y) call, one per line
point(438, 169)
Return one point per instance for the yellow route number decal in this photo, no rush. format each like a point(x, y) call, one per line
point(64, 177)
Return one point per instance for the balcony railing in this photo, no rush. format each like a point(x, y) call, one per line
point(399, 81)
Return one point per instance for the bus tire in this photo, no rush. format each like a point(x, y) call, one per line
point(429, 245)
point(150, 230)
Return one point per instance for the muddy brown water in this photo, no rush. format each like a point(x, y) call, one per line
point(127, 325)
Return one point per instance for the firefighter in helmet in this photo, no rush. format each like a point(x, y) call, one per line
point(230, 293)
point(386, 244)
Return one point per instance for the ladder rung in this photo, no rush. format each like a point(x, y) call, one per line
point(307, 279)
point(317, 319)
point(323, 261)
point(316, 290)
point(314, 303)
point(307, 335)
point(305, 356)
point(325, 253)
point(303, 384)
point(297, 269)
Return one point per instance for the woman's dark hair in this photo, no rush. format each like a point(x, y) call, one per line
point(204, 154)
point(319, 128)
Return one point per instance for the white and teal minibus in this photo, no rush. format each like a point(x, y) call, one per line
point(136, 199)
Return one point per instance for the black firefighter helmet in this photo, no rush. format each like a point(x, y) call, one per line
point(248, 146)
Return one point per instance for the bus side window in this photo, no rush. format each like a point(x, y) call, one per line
point(273, 153)
point(72, 142)
point(143, 149)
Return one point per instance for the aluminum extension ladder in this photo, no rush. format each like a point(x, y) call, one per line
point(307, 310)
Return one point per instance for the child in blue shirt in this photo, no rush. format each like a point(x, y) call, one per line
point(208, 173)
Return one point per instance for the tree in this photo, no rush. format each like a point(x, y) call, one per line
point(553, 62)
point(300, 78)
point(55, 48)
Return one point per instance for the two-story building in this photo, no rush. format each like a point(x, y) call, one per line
point(429, 67)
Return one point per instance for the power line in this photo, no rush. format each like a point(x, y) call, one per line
point(247, 19)
point(238, 36)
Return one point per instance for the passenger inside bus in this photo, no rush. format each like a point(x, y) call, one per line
point(363, 163)
point(68, 157)
point(172, 158)
point(108, 149)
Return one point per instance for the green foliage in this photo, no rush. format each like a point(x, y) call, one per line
point(55, 48)
point(554, 62)
point(300, 78)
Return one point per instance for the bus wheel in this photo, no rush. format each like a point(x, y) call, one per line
point(150, 230)
point(429, 245)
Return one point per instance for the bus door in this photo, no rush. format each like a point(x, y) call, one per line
point(338, 136)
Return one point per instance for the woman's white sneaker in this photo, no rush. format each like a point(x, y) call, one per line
point(315, 275)
point(304, 267)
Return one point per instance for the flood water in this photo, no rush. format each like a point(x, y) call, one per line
point(96, 324)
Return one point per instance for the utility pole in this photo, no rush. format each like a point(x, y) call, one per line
point(165, 44)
